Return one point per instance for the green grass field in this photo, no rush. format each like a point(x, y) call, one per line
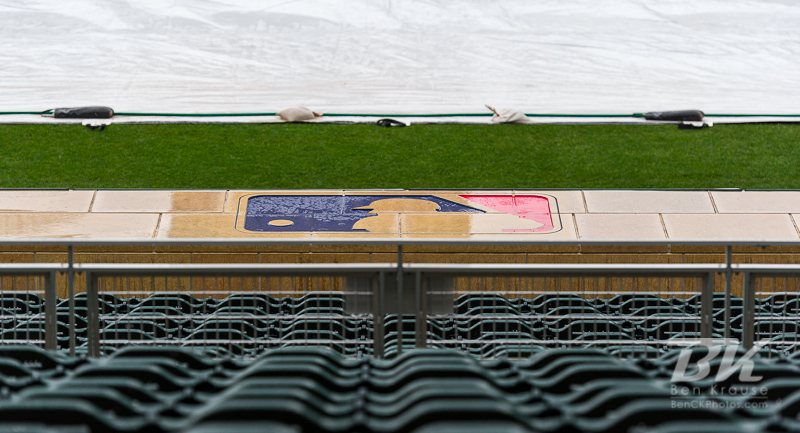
point(296, 156)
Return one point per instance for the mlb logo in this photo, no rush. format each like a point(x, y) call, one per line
point(399, 214)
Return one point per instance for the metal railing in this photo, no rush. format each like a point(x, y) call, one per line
point(623, 307)
point(28, 299)
point(146, 304)
point(382, 309)
point(770, 306)
point(319, 322)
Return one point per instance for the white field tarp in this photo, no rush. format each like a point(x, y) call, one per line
point(401, 56)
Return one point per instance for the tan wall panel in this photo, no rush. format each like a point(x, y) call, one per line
point(281, 257)
point(315, 258)
point(612, 249)
point(383, 258)
point(237, 284)
point(554, 258)
point(114, 249)
point(784, 259)
point(337, 258)
point(276, 248)
point(33, 248)
point(696, 249)
point(224, 258)
point(31, 284)
point(80, 280)
point(463, 258)
point(604, 258)
point(601, 287)
point(62, 285)
point(704, 258)
point(17, 257)
point(353, 248)
point(766, 287)
point(493, 249)
point(114, 258)
point(759, 250)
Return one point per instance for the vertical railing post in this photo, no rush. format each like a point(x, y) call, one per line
point(728, 278)
point(71, 297)
point(92, 316)
point(707, 306)
point(748, 319)
point(50, 318)
point(399, 299)
point(377, 315)
point(420, 311)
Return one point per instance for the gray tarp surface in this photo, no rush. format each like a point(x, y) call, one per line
point(401, 56)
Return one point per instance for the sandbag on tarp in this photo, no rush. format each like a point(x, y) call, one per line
point(80, 113)
point(675, 116)
point(298, 114)
point(508, 115)
point(388, 123)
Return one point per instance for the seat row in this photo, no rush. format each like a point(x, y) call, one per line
point(479, 335)
point(422, 391)
point(623, 304)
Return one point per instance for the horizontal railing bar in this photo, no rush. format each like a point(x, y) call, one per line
point(20, 292)
point(195, 291)
point(495, 342)
point(345, 269)
point(778, 292)
point(234, 269)
point(500, 269)
point(567, 270)
point(33, 269)
point(767, 270)
point(247, 342)
point(213, 316)
point(564, 292)
point(602, 316)
point(277, 269)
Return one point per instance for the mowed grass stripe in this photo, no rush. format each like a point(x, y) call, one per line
point(297, 156)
